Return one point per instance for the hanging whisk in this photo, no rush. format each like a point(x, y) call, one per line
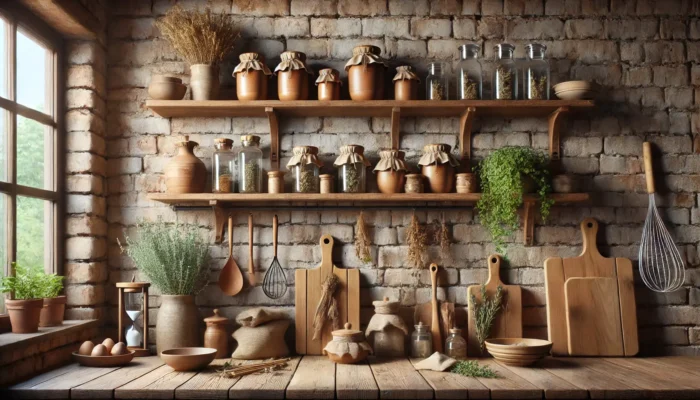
point(275, 282)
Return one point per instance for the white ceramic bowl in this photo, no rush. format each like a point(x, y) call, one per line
point(575, 90)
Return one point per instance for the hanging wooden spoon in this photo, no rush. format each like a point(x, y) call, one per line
point(230, 278)
point(251, 265)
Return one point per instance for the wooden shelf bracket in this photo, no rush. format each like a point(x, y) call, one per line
point(395, 127)
point(528, 223)
point(465, 132)
point(274, 139)
point(555, 123)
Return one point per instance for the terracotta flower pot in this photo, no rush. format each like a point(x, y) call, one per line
point(52, 312)
point(441, 177)
point(204, 81)
point(178, 323)
point(24, 314)
point(251, 85)
point(185, 173)
point(366, 82)
point(390, 181)
point(293, 85)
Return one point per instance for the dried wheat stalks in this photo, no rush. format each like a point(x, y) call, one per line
point(362, 242)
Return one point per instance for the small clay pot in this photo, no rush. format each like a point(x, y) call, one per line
point(366, 82)
point(466, 183)
point(185, 173)
point(251, 85)
point(406, 89)
point(329, 91)
point(52, 312)
point(293, 85)
point(163, 87)
point(216, 334)
point(204, 81)
point(24, 314)
point(441, 177)
point(326, 183)
point(390, 182)
point(414, 183)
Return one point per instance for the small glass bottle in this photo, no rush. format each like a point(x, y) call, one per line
point(352, 169)
point(537, 73)
point(437, 84)
point(421, 342)
point(455, 345)
point(505, 76)
point(250, 165)
point(223, 167)
point(469, 75)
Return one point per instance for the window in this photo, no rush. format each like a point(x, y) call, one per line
point(30, 176)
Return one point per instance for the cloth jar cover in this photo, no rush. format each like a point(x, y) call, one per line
point(405, 72)
point(292, 60)
point(304, 155)
point(385, 314)
point(437, 154)
point(328, 75)
point(391, 160)
point(351, 154)
point(365, 55)
point(251, 61)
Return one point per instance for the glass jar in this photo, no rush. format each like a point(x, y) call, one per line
point(421, 342)
point(505, 75)
point(305, 165)
point(456, 345)
point(223, 167)
point(469, 76)
point(352, 167)
point(437, 82)
point(537, 73)
point(250, 165)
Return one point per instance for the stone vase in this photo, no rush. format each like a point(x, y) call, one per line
point(204, 81)
point(178, 323)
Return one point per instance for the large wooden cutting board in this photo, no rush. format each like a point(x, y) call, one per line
point(509, 320)
point(308, 286)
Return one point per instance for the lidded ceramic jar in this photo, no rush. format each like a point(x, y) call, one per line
point(216, 335)
point(185, 173)
point(328, 83)
point(305, 166)
point(386, 330)
point(352, 166)
point(166, 87)
point(348, 346)
point(414, 183)
point(405, 83)
point(223, 167)
point(391, 171)
point(366, 73)
point(292, 76)
point(251, 76)
point(438, 167)
point(250, 165)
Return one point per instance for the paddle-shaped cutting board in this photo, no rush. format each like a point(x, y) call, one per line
point(308, 290)
point(509, 320)
point(590, 264)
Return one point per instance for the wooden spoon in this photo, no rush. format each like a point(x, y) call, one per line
point(251, 265)
point(230, 278)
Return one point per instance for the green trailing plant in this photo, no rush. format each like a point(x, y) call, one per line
point(174, 257)
point(31, 283)
point(502, 174)
point(484, 313)
point(472, 369)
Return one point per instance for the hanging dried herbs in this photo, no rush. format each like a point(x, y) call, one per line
point(442, 238)
point(362, 242)
point(417, 238)
point(327, 308)
point(504, 83)
point(484, 313)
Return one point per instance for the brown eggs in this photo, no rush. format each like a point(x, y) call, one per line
point(108, 343)
point(119, 349)
point(86, 348)
point(99, 351)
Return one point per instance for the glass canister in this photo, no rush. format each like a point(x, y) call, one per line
point(352, 166)
point(305, 166)
point(250, 165)
point(366, 73)
point(405, 84)
point(505, 76)
point(421, 341)
point(469, 72)
point(223, 167)
point(292, 76)
point(328, 83)
point(456, 345)
point(438, 167)
point(391, 171)
point(251, 77)
point(437, 82)
point(537, 73)
point(216, 335)
point(386, 330)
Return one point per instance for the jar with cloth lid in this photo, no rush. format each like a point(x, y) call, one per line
point(387, 331)
point(438, 167)
point(352, 166)
point(391, 171)
point(293, 76)
point(328, 83)
point(366, 73)
point(305, 165)
point(251, 77)
point(405, 83)
point(348, 346)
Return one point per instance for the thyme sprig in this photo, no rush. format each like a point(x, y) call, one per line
point(484, 313)
point(473, 369)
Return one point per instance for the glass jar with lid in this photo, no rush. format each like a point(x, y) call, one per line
point(352, 168)
point(305, 165)
point(250, 165)
point(469, 72)
point(437, 82)
point(421, 341)
point(223, 167)
point(456, 345)
point(537, 73)
point(505, 75)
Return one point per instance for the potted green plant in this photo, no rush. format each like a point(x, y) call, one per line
point(27, 302)
point(175, 258)
point(506, 174)
point(54, 305)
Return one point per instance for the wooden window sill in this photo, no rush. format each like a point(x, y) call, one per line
point(13, 341)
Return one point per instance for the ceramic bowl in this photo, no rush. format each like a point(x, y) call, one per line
point(575, 90)
point(165, 87)
point(104, 361)
point(188, 358)
point(518, 351)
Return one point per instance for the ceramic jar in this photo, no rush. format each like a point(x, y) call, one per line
point(414, 183)
point(466, 183)
point(216, 335)
point(352, 169)
point(306, 166)
point(251, 76)
point(391, 171)
point(348, 346)
point(165, 87)
point(292, 76)
point(438, 167)
point(204, 81)
point(275, 182)
point(386, 330)
point(328, 83)
point(366, 73)
point(326, 183)
point(405, 84)
point(52, 312)
point(178, 323)
point(185, 173)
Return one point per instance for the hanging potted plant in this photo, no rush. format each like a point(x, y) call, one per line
point(506, 174)
point(25, 306)
point(203, 39)
point(176, 260)
point(54, 305)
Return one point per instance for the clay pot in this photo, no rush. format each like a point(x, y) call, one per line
point(329, 91)
point(204, 81)
point(293, 85)
point(441, 177)
point(185, 173)
point(326, 183)
point(414, 183)
point(251, 85)
point(24, 314)
point(406, 89)
point(165, 87)
point(466, 183)
point(178, 323)
point(391, 181)
point(52, 312)
point(366, 82)
point(216, 335)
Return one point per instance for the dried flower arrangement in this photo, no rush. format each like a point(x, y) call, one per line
point(417, 238)
point(199, 37)
point(504, 83)
point(485, 312)
point(362, 242)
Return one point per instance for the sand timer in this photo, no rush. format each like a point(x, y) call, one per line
point(133, 302)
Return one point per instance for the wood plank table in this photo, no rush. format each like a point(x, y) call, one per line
point(315, 377)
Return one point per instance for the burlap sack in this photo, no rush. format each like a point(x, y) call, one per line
point(259, 316)
point(436, 362)
point(265, 341)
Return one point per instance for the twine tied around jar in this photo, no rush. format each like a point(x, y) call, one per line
point(251, 61)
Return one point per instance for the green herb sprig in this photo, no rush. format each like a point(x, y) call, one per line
point(484, 313)
point(31, 283)
point(473, 369)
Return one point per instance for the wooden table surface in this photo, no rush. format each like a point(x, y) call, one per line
point(315, 377)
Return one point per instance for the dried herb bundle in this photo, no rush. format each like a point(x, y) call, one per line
point(473, 369)
point(485, 312)
point(362, 242)
point(504, 83)
point(327, 308)
point(416, 238)
point(442, 237)
point(199, 37)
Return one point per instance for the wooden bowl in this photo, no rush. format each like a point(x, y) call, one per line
point(188, 358)
point(518, 351)
point(104, 361)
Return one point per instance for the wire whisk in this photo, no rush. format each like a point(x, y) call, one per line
point(275, 281)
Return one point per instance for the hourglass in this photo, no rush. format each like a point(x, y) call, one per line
point(133, 301)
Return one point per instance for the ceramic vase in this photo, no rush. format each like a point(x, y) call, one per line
point(185, 173)
point(406, 89)
point(178, 323)
point(52, 311)
point(204, 81)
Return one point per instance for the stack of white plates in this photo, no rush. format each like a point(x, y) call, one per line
point(576, 90)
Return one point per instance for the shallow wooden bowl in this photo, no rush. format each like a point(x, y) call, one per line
point(188, 358)
point(522, 346)
point(104, 361)
point(514, 357)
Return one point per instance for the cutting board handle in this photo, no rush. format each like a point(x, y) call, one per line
point(326, 243)
point(494, 262)
point(589, 230)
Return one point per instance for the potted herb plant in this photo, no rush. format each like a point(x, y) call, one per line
point(175, 258)
point(25, 308)
point(507, 174)
point(54, 305)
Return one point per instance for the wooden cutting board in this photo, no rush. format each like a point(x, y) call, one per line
point(308, 285)
point(509, 320)
point(589, 264)
point(424, 312)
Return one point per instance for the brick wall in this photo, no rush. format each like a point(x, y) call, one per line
point(646, 53)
